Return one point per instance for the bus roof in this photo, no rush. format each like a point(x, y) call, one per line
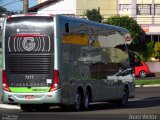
point(116, 28)
point(121, 30)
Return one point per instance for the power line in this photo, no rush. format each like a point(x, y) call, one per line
point(12, 2)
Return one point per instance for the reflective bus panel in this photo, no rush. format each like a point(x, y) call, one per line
point(60, 60)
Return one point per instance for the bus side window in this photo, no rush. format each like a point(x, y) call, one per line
point(66, 27)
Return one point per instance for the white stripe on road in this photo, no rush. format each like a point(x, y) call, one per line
point(134, 99)
point(5, 106)
point(153, 85)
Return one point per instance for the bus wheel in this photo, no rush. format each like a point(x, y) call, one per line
point(86, 100)
point(78, 101)
point(26, 107)
point(124, 99)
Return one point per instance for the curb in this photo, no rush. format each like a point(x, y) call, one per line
point(6, 106)
point(153, 85)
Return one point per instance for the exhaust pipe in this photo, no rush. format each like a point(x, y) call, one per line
point(10, 99)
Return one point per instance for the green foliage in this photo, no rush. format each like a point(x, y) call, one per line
point(148, 50)
point(157, 50)
point(130, 24)
point(94, 15)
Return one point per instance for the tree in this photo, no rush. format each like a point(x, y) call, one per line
point(157, 50)
point(94, 15)
point(148, 50)
point(2, 10)
point(130, 24)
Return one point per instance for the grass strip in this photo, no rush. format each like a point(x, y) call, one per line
point(147, 82)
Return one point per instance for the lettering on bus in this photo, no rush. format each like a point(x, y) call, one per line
point(28, 77)
point(29, 84)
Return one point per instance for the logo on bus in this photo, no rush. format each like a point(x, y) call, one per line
point(28, 44)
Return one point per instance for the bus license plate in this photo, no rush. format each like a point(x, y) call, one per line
point(29, 96)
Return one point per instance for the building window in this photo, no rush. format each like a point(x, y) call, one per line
point(124, 7)
point(155, 38)
point(143, 9)
point(157, 9)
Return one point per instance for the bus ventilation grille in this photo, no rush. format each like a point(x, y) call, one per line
point(29, 63)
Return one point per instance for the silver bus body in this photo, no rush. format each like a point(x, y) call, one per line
point(47, 59)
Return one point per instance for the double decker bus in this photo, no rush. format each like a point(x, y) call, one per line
point(59, 60)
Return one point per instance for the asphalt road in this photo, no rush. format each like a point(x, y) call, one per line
point(145, 106)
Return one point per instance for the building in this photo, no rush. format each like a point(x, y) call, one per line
point(145, 12)
point(75, 7)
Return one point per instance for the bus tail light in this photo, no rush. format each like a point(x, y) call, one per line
point(4, 81)
point(55, 84)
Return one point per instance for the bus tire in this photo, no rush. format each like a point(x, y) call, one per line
point(86, 100)
point(78, 101)
point(124, 100)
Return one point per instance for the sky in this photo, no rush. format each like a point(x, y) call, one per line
point(16, 5)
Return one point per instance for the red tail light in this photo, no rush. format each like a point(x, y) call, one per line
point(4, 81)
point(55, 84)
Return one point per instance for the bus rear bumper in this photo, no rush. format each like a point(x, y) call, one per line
point(32, 98)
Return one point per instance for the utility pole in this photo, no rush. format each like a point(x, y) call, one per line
point(25, 6)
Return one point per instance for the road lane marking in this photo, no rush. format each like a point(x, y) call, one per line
point(135, 99)
point(5, 106)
